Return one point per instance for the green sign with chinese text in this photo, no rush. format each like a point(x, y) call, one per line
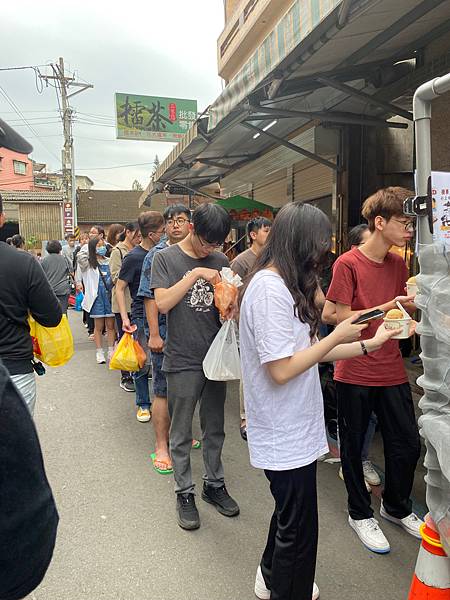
point(153, 118)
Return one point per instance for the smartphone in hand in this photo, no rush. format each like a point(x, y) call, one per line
point(369, 316)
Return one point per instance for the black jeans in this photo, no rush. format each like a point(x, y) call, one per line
point(125, 374)
point(395, 411)
point(288, 564)
point(90, 322)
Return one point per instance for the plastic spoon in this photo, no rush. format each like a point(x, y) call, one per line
point(405, 314)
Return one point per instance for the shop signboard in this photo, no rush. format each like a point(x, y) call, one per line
point(68, 218)
point(153, 118)
point(440, 183)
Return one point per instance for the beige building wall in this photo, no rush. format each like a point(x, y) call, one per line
point(439, 50)
point(248, 23)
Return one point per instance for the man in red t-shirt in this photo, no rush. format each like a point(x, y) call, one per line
point(363, 279)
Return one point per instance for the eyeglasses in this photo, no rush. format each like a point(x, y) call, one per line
point(409, 225)
point(205, 244)
point(179, 221)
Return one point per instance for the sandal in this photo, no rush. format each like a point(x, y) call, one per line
point(196, 444)
point(167, 469)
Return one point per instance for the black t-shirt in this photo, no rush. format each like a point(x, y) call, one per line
point(24, 288)
point(28, 515)
point(130, 272)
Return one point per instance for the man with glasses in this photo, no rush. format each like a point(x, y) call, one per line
point(177, 220)
point(151, 226)
point(366, 278)
point(183, 278)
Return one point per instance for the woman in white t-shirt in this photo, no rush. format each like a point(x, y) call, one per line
point(278, 326)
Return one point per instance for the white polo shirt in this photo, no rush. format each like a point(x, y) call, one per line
point(285, 423)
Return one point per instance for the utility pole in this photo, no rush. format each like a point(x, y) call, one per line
point(62, 84)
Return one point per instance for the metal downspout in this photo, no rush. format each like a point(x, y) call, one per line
point(433, 278)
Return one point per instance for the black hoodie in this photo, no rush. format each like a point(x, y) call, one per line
point(28, 516)
point(23, 289)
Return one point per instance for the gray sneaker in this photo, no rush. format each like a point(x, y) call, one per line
point(127, 384)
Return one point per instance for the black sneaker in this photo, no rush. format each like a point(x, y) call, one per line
point(187, 513)
point(221, 499)
point(127, 384)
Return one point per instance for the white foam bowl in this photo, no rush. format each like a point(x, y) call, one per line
point(401, 324)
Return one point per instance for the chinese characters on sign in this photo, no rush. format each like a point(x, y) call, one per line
point(68, 218)
point(153, 118)
point(440, 182)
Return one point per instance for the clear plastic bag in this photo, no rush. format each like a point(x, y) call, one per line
point(222, 362)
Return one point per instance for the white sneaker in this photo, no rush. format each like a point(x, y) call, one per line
point(264, 594)
point(370, 475)
point(370, 534)
point(100, 355)
point(368, 488)
point(110, 353)
point(411, 524)
point(260, 586)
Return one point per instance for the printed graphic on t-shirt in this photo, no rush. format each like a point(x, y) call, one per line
point(201, 295)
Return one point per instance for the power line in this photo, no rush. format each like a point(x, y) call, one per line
point(147, 164)
point(21, 68)
point(22, 117)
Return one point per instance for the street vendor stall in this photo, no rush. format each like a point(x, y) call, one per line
point(241, 211)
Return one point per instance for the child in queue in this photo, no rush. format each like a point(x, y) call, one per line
point(97, 296)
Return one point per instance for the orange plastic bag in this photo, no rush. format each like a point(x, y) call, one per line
point(226, 291)
point(125, 357)
point(140, 353)
point(225, 295)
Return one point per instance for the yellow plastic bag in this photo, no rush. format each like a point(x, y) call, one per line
point(125, 357)
point(52, 345)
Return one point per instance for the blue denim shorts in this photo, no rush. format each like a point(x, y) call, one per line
point(159, 378)
point(102, 304)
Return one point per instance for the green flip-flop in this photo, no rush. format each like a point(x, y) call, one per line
point(168, 471)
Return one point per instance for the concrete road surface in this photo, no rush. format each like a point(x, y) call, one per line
point(118, 538)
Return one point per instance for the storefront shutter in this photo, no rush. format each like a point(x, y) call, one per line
point(272, 190)
point(312, 181)
point(42, 221)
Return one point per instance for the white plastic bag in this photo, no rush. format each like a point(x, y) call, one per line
point(222, 362)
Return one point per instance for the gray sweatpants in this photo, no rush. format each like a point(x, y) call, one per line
point(184, 390)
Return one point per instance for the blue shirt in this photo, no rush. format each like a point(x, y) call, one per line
point(144, 290)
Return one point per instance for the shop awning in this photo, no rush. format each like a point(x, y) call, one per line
point(243, 203)
point(339, 62)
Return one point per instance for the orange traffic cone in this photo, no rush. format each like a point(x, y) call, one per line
point(431, 579)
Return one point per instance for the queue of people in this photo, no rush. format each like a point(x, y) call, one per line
point(155, 278)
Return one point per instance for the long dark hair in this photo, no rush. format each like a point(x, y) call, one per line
point(297, 246)
point(92, 251)
point(132, 226)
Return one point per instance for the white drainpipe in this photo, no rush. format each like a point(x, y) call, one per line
point(434, 329)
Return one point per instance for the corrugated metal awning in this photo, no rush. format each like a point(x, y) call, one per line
point(341, 72)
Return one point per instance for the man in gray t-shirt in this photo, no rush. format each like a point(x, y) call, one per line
point(257, 230)
point(183, 278)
